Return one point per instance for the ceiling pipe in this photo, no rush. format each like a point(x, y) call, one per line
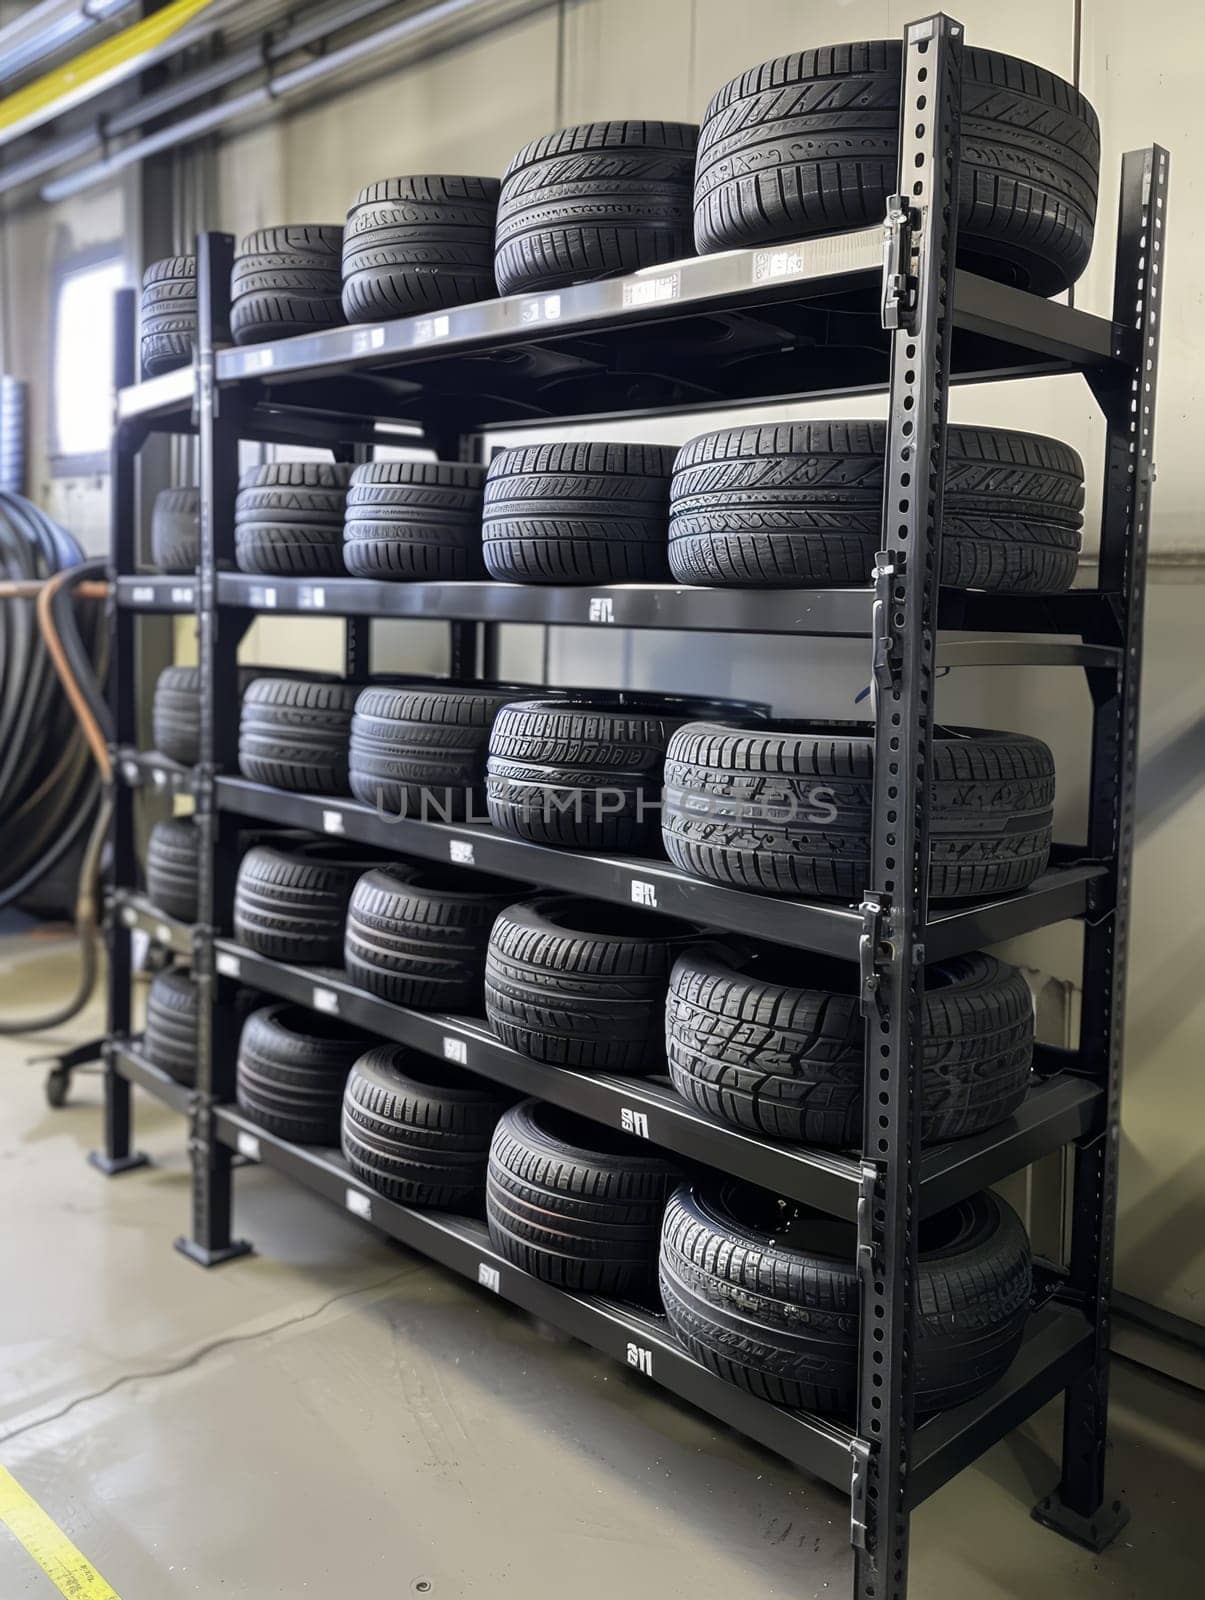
point(256, 58)
point(220, 75)
point(43, 30)
point(276, 89)
point(113, 61)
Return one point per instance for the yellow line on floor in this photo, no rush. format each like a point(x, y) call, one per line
point(42, 1538)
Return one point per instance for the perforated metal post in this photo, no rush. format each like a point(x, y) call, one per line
point(218, 633)
point(117, 1155)
point(919, 254)
point(1079, 1508)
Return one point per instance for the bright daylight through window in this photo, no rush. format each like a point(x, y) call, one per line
point(83, 358)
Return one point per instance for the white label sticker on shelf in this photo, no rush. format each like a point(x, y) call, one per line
point(360, 1205)
point(332, 822)
point(263, 598)
point(326, 1000)
point(312, 597)
point(769, 265)
point(163, 933)
point(227, 964)
point(644, 893)
point(635, 1122)
point(259, 360)
point(428, 328)
point(456, 1050)
point(652, 291)
point(461, 852)
point(183, 594)
point(546, 308)
point(641, 1358)
point(602, 608)
point(247, 1145)
point(489, 1277)
point(142, 594)
point(365, 339)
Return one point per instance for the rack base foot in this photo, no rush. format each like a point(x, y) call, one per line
point(213, 1258)
point(1094, 1532)
point(114, 1166)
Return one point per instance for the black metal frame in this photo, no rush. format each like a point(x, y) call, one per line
point(913, 325)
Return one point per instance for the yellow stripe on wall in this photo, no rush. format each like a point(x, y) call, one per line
point(97, 63)
point(42, 1538)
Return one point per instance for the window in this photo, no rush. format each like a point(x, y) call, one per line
point(82, 416)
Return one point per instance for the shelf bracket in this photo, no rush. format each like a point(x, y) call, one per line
point(886, 645)
point(868, 1182)
point(874, 950)
point(899, 281)
point(859, 1450)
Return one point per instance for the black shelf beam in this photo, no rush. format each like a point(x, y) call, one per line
point(1061, 893)
point(1057, 1110)
point(130, 1064)
point(571, 353)
point(817, 613)
point(148, 769)
point(818, 292)
point(155, 592)
point(1055, 1343)
point(134, 910)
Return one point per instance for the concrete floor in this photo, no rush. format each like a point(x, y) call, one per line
point(332, 1417)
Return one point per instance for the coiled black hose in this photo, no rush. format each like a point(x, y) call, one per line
point(49, 784)
point(48, 788)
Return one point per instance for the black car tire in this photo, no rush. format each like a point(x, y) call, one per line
point(809, 144)
point(594, 200)
point(292, 1066)
point(418, 243)
point(777, 1046)
point(575, 1203)
point(414, 521)
point(417, 936)
point(288, 518)
point(169, 314)
point(294, 732)
point(580, 513)
point(785, 808)
point(582, 773)
point(421, 751)
point(765, 1293)
point(577, 983)
point(286, 281)
point(170, 1038)
point(290, 900)
point(418, 1131)
point(176, 530)
point(171, 868)
point(801, 504)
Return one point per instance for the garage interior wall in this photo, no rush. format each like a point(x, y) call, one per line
point(467, 110)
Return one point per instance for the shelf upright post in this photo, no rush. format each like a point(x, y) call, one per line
point(218, 634)
point(1078, 1507)
point(917, 287)
point(117, 1155)
point(357, 631)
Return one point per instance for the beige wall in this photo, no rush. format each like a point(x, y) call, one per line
point(468, 110)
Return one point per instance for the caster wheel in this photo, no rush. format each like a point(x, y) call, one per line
point(58, 1083)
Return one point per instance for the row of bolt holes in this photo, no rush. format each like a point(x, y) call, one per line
point(880, 1215)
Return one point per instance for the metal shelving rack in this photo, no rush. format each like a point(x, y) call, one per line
point(826, 316)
